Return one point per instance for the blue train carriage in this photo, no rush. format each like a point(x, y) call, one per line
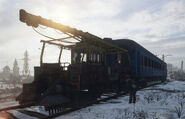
point(117, 64)
point(145, 67)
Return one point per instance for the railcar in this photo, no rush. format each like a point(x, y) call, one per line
point(97, 66)
point(145, 66)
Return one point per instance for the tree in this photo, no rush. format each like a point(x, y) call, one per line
point(6, 73)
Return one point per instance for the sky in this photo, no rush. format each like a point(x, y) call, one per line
point(158, 25)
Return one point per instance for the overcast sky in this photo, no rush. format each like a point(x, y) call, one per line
point(158, 25)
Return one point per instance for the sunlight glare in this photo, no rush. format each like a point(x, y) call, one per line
point(61, 17)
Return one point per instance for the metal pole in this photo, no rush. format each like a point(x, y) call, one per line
point(61, 48)
point(42, 52)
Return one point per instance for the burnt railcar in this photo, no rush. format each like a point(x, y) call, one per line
point(93, 71)
point(97, 66)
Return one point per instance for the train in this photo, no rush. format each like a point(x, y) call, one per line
point(97, 66)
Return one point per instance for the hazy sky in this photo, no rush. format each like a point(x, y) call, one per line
point(158, 25)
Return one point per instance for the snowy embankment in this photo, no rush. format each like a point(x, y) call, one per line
point(158, 102)
point(8, 104)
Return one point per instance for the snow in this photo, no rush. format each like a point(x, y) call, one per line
point(151, 104)
point(39, 109)
point(20, 115)
point(8, 104)
point(158, 102)
point(174, 85)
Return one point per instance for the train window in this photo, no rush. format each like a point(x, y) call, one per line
point(98, 57)
point(119, 58)
point(145, 61)
point(141, 60)
point(102, 58)
point(142, 63)
point(84, 57)
point(74, 56)
point(152, 64)
point(155, 65)
point(94, 57)
point(160, 66)
point(148, 62)
point(91, 57)
point(79, 57)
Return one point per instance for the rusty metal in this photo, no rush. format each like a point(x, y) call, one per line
point(35, 21)
point(55, 84)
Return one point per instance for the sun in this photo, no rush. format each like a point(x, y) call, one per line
point(61, 16)
point(64, 18)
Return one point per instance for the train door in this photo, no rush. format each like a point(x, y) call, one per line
point(111, 62)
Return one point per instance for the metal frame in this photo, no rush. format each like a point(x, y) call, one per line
point(78, 35)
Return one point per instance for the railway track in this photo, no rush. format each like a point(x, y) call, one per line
point(94, 102)
point(86, 105)
point(62, 112)
point(17, 107)
point(56, 113)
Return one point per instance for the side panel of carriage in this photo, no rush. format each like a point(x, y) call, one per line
point(145, 66)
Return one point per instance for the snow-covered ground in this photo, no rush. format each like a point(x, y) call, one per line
point(151, 104)
point(8, 104)
point(165, 101)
